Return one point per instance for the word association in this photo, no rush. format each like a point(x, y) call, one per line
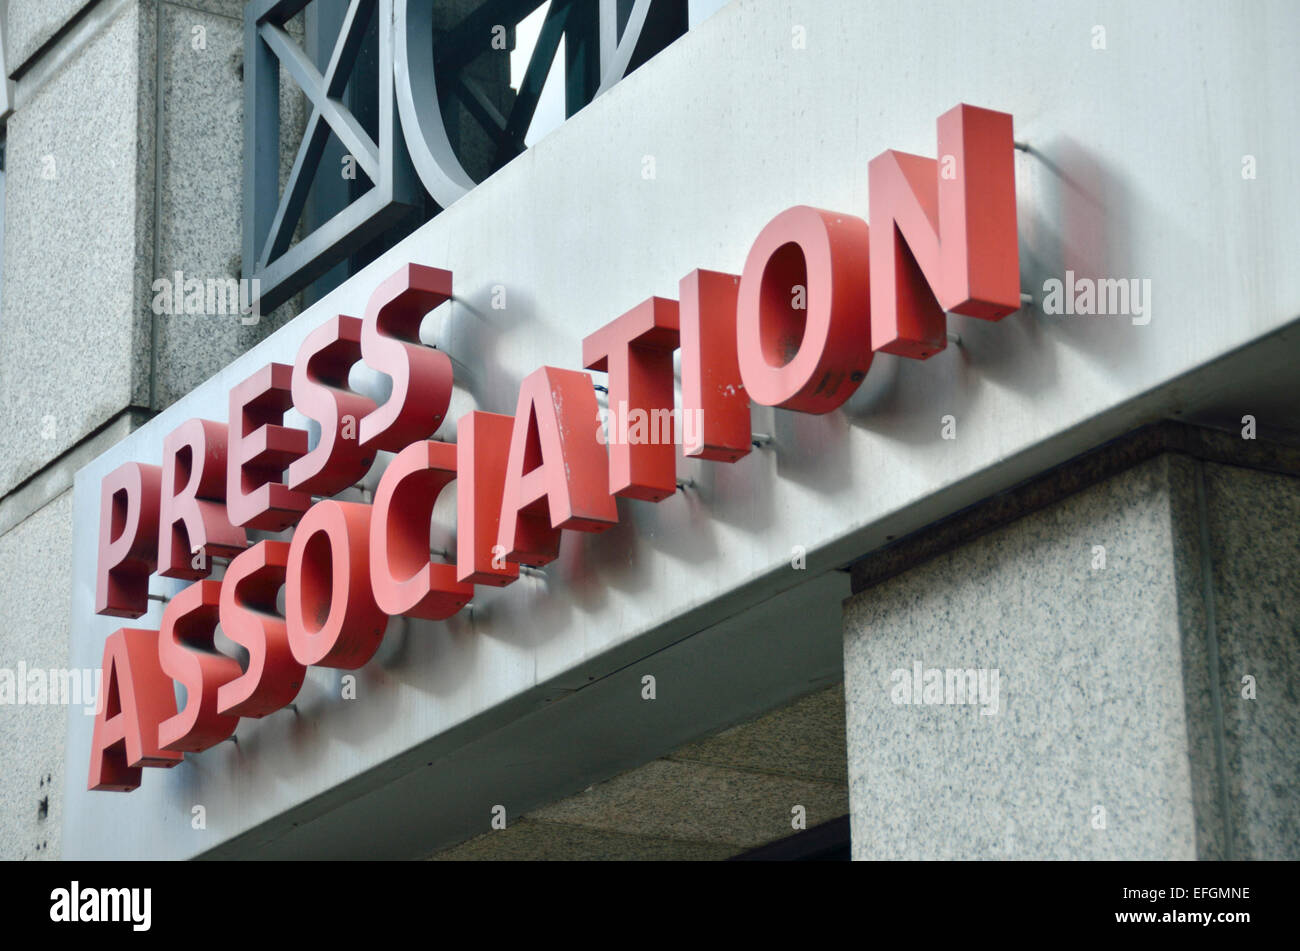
point(819, 294)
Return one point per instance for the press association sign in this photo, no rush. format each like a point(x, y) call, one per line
point(819, 294)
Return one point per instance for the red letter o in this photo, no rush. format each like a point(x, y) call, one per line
point(330, 612)
point(808, 358)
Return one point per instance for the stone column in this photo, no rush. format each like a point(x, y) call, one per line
point(1143, 633)
point(123, 165)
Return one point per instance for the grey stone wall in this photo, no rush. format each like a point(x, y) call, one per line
point(1121, 728)
point(33, 23)
point(34, 620)
point(123, 165)
point(1253, 521)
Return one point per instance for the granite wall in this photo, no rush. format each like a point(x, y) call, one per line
point(123, 163)
point(1143, 633)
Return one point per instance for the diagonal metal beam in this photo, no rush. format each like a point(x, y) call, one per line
point(336, 67)
point(354, 138)
point(581, 56)
point(344, 56)
point(421, 66)
point(480, 106)
point(294, 199)
point(333, 83)
point(454, 49)
point(530, 90)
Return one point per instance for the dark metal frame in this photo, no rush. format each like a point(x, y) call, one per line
point(269, 218)
point(418, 72)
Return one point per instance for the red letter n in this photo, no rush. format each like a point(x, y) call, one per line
point(943, 233)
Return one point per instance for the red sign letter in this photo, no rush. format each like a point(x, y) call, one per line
point(390, 343)
point(482, 451)
point(128, 539)
point(404, 578)
point(637, 352)
point(192, 510)
point(557, 476)
point(320, 392)
point(187, 654)
point(259, 450)
point(943, 233)
point(136, 697)
point(330, 612)
point(715, 406)
point(802, 321)
point(249, 618)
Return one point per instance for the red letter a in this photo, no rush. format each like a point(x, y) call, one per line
point(136, 697)
point(557, 476)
